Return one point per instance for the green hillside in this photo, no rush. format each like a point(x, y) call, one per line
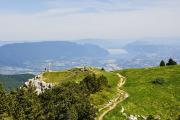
point(149, 97)
point(78, 74)
point(14, 81)
point(152, 91)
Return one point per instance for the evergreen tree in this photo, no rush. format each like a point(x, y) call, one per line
point(68, 101)
point(3, 102)
point(162, 63)
point(24, 105)
point(171, 62)
point(102, 69)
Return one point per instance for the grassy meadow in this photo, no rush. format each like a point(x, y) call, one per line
point(147, 98)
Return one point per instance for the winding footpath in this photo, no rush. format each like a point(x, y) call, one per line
point(121, 96)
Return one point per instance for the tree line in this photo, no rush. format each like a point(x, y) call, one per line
point(170, 62)
point(68, 101)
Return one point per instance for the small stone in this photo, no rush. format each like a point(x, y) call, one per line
point(131, 117)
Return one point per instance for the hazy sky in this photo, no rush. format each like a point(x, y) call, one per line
point(80, 19)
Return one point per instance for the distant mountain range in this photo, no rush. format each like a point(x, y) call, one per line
point(120, 43)
point(33, 57)
point(161, 48)
point(106, 43)
point(21, 52)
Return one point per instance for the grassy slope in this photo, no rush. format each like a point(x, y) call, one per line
point(77, 75)
point(147, 98)
point(58, 77)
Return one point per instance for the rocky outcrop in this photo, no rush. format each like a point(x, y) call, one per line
point(39, 84)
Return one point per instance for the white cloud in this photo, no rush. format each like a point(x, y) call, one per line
point(80, 21)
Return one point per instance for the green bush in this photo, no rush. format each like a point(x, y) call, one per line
point(159, 81)
point(93, 84)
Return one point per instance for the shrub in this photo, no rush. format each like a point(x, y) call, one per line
point(159, 81)
point(150, 117)
point(102, 69)
point(93, 84)
point(178, 118)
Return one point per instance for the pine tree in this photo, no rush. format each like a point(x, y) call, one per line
point(162, 63)
point(171, 62)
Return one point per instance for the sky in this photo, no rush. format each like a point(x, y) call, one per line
point(32, 20)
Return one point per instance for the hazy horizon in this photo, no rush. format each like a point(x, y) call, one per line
point(75, 20)
point(96, 40)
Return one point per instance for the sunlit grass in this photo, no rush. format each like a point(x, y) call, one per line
point(147, 98)
point(77, 74)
